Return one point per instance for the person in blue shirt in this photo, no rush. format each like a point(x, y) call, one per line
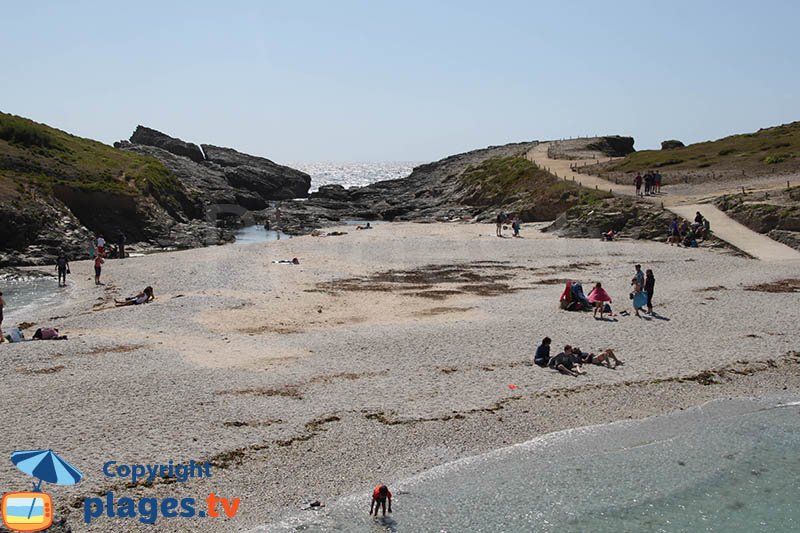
point(542, 356)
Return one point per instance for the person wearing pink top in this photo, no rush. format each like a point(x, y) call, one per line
point(599, 297)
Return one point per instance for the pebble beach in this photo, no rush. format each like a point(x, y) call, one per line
point(384, 353)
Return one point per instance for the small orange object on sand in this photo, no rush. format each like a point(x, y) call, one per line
point(512, 386)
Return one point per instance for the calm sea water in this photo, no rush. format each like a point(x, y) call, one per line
point(353, 174)
point(728, 466)
point(25, 293)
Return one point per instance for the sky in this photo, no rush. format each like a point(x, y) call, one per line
point(407, 80)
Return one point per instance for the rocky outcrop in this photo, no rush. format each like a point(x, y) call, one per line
point(151, 137)
point(223, 175)
point(258, 174)
point(775, 213)
point(613, 145)
point(672, 144)
point(628, 217)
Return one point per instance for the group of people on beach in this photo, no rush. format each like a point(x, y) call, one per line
point(572, 359)
point(647, 185)
point(687, 234)
point(642, 288)
point(503, 218)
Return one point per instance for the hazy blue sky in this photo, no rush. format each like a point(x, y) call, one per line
point(403, 80)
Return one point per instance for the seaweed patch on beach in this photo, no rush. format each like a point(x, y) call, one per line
point(482, 278)
point(288, 391)
point(39, 371)
point(785, 285)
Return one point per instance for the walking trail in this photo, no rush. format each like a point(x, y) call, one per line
point(685, 206)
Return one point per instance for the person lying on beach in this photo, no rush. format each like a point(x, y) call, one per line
point(367, 226)
point(379, 497)
point(565, 364)
point(143, 297)
point(603, 358)
point(48, 334)
point(599, 297)
point(294, 261)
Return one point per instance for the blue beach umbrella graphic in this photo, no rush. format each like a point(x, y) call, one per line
point(45, 465)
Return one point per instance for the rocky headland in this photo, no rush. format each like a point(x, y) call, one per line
point(57, 191)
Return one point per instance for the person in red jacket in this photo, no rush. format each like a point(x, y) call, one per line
point(379, 497)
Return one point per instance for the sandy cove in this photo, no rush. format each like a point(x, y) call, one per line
point(384, 353)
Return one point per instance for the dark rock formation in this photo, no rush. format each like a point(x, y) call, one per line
point(258, 174)
point(433, 192)
point(626, 216)
point(151, 137)
point(613, 145)
point(672, 144)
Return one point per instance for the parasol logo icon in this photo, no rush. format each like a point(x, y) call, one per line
point(33, 510)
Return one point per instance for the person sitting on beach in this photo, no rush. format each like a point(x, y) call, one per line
point(542, 356)
point(564, 363)
point(143, 297)
point(603, 358)
point(380, 494)
point(599, 297)
point(609, 235)
point(366, 226)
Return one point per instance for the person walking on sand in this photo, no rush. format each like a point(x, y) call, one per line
point(599, 297)
point(501, 219)
point(380, 494)
point(121, 243)
point(98, 268)
point(101, 245)
point(2, 305)
point(649, 286)
point(62, 265)
point(515, 225)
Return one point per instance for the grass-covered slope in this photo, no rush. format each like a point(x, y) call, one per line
point(522, 187)
point(769, 150)
point(36, 154)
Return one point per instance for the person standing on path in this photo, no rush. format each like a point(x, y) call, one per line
point(657, 178)
point(637, 182)
point(98, 268)
point(62, 265)
point(649, 286)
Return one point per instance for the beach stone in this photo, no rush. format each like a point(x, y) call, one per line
point(672, 144)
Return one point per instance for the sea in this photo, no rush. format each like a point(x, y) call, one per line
point(353, 174)
point(726, 466)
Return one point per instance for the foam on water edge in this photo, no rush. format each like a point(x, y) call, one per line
point(663, 473)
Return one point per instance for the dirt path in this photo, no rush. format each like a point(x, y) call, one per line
point(683, 205)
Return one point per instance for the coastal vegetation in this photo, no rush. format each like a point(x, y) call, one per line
point(767, 150)
point(523, 186)
point(33, 154)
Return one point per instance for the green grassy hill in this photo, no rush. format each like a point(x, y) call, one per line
point(522, 187)
point(36, 154)
point(769, 150)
